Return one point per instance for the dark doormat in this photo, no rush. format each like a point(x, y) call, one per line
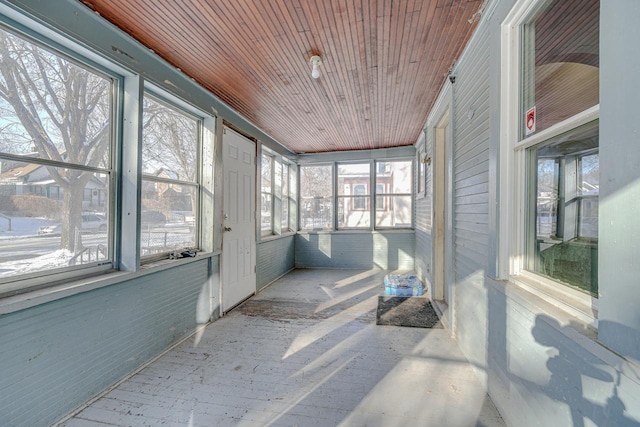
point(415, 312)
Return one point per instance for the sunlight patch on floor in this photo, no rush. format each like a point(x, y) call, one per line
point(335, 300)
point(355, 278)
point(327, 326)
point(419, 388)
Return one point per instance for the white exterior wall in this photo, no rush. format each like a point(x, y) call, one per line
point(541, 365)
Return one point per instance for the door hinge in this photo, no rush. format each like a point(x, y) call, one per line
point(255, 269)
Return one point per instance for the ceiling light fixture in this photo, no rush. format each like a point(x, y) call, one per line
point(315, 62)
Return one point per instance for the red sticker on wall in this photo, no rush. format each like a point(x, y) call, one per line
point(530, 121)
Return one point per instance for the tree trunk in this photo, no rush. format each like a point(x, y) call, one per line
point(71, 216)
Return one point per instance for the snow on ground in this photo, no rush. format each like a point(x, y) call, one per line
point(57, 259)
point(22, 227)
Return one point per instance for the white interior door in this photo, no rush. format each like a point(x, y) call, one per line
point(238, 239)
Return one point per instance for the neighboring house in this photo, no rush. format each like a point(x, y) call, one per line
point(32, 179)
point(172, 197)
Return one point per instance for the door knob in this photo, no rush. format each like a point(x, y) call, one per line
point(227, 229)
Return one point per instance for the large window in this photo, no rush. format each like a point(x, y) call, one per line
point(354, 198)
point(316, 197)
point(170, 183)
point(56, 165)
point(277, 194)
point(358, 198)
point(394, 185)
point(65, 131)
point(558, 141)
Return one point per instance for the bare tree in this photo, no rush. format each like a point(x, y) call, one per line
point(62, 111)
point(170, 143)
point(170, 140)
point(316, 180)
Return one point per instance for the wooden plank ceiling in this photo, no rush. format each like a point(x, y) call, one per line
point(383, 61)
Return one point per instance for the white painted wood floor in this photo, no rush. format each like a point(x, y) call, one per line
point(304, 352)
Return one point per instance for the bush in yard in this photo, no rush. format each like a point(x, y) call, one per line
point(35, 206)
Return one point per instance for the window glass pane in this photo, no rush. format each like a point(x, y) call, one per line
point(265, 214)
point(560, 68)
point(266, 200)
point(353, 212)
point(169, 214)
point(393, 194)
point(60, 112)
point(396, 176)
point(351, 176)
point(380, 189)
point(285, 197)
point(267, 162)
point(354, 180)
point(50, 226)
point(169, 142)
point(293, 184)
point(393, 211)
point(316, 197)
point(293, 200)
point(548, 196)
point(277, 172)
point(563, 214)
point(589, 190)
point(316, 212)
point(168, 217)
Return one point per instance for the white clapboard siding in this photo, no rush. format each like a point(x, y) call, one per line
point(471, 144)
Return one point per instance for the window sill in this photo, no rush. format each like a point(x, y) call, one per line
point(357, 231)
point(579, 329)
point(575, 303)
point(34, 298)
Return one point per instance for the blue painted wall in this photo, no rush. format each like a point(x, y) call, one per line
point(274, 257)
point(385, 249)
point(56, 356)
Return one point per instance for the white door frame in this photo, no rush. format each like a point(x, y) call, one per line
point(441, 206)
point(443, 274)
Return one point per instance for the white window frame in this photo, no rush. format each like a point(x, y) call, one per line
point(513, 201)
